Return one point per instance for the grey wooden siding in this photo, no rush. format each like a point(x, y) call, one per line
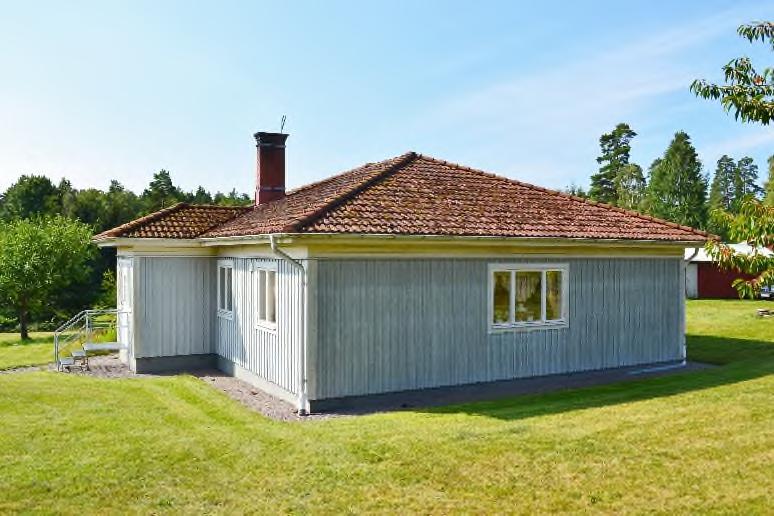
point(174, 306)
point(385, 325)
point(273, 356)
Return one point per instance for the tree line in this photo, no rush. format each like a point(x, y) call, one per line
point(674, 187)
point(49, 269)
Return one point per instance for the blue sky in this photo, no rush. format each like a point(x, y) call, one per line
point(94, 91)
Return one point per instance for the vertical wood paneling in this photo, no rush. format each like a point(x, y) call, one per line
point(386, 325)
point(270, 355)
point(171, 294)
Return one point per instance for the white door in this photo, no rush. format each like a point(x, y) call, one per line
point(691, 281)
point(124, 294)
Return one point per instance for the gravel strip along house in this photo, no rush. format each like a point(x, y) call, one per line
point(406, 274)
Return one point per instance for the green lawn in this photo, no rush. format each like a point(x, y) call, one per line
point(697, 442)
point(16, 353)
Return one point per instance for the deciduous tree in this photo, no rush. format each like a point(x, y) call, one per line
point(630, 187)
point(30, 196)
point(38, 259)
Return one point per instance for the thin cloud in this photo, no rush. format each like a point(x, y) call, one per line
point(740, 144)
point(569, 105)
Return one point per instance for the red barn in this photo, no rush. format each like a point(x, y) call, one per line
point(704, 279)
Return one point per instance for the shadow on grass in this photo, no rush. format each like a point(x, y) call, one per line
point(15, 340)
point(740, 360)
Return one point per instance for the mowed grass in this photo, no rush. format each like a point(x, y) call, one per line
point(17, 353)
point(694, 442)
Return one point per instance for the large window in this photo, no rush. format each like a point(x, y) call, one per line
point(225, 288)
point(527, 296)
point(265, 297)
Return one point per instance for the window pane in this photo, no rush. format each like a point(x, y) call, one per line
point(502, 297)
point(528, 291)
point(271, 296)
point(553, 295)
point(229, 289)
point(221, 288)
point(261, 295)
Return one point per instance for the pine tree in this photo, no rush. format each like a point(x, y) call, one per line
point(576, 190)
point(722, 190)
point(615, 156)
point(201, 196)
point(161, 192)
point(677, 189)
point(768, 187)
point(721, 193)
point(745, 182)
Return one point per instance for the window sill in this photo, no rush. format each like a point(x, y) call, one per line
point(222, 314)
point(511, 328)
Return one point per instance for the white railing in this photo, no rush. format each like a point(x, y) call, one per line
point(85, 327)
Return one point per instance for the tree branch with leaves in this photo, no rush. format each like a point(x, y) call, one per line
point(750, 94)
point(747, 92)
point(753, 224)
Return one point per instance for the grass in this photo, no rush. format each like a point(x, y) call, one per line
point(17, 353)
point(694, 442)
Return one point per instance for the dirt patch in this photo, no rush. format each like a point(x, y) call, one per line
point(110, 366)
point(256, 399)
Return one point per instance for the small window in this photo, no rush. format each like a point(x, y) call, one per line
point(225, 289)
point(527, 296)
point(266, 298)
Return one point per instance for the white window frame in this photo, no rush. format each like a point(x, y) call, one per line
point(542, 324)
point(256, 268)
point(228, 266)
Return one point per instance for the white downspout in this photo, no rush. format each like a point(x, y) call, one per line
point(684, 292)
point(303, 399)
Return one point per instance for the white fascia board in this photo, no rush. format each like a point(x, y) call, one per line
point(152, 242)
point(280, 238)
point(499, 240)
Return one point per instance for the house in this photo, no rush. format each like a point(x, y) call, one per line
point(405, 274)
point(704, 279)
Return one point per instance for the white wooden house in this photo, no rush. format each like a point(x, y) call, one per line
point(405, 274)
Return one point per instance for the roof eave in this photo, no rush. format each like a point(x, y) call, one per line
point(146, 242)
point(541, 241)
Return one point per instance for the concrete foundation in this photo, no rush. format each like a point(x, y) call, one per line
point(174, 363)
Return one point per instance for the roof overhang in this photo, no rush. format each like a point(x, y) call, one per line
point(441, 239)
point(146, 242)
point(395, 246)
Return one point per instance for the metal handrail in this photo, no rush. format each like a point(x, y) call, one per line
point(84, 319)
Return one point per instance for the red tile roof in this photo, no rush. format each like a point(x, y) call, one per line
point(418, 195)
point(179, 221)
point(414, 194)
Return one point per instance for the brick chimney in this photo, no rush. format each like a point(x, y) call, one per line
point(270, 185)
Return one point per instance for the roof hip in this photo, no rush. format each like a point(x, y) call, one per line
point(317, 214)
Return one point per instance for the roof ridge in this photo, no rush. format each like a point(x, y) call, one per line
point(219, 206)
point(603, 205)
point(142, 220)
point(344, 173)
point(398, 163)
